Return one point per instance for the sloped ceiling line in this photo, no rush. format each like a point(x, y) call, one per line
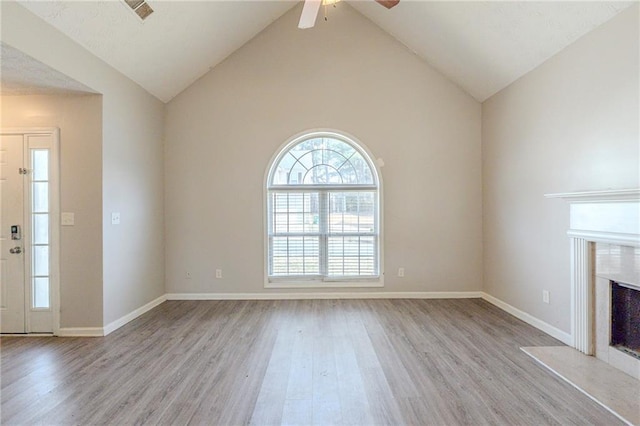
point(481, 46)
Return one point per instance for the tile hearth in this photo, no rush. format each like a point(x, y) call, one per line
point(616, 391)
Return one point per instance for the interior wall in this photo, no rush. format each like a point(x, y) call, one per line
point(132, 162)
point(79, 119)
point(569, 125)
point(345, 74)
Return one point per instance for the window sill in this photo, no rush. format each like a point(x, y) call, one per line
point(324, 284)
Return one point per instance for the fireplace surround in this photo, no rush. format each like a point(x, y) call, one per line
point(604, 228)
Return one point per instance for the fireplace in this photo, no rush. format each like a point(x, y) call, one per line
point(625, 318)
point(604, 228)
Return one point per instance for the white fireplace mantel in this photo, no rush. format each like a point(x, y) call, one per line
point(611, 216)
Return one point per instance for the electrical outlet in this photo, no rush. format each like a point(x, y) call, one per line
point(545, 296)
point(115, 218)
point(218, 273)
point(401, 272)
point(188, 275)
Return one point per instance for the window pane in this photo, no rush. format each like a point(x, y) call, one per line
point(339, 146)
point(40, 197)
point(366, 212)
point(322, 175)
point(312, 213)
point(322, 161)
point(352, 212)
point(295, 212)
point(296, 222)
point(41, 260)
point(351, 256)
point(41, 292)
point(297, 174)
point(362, 169)
point(40, 164)
point(280, 223)
point(348, 173)
point(295, 256)
point(40, 229)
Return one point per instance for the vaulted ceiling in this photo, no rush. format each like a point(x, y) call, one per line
point(482, 46)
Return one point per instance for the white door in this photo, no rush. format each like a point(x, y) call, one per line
point(28, 237)
point(12, 259)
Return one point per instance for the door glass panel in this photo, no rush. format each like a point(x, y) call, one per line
point(40, 232)
point(41, 229)
point(41, 293)
point(40, 164)
point(40, 197)
point(41, 260)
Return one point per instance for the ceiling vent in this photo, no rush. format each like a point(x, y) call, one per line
point(140, 7)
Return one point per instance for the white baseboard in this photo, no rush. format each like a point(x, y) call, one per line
point(113, 326)
point(530, 319)
point(81, 332)
point(327, 295)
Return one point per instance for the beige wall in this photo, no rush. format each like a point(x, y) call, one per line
point(132, 163)
point(79, 119)
point(345, 74)
point(569, 125)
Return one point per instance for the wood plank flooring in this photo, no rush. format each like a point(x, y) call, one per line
point(355, 362)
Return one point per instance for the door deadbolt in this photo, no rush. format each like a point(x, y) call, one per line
point(15, 250)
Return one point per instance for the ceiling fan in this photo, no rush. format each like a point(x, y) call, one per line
point(311, 8)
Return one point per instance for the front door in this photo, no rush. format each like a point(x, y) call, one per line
point(28, 212)
point(12, 259)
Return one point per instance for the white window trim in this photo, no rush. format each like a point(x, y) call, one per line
point(322, 282)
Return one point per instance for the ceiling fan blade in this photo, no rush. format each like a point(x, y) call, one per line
point(309, 13)
point(388, 3)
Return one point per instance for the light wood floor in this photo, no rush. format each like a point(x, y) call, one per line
point(431, 362)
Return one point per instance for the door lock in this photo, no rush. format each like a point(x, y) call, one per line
point(15, 250)
point(15, 232)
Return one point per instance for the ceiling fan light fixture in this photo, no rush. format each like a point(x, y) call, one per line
point(310, 10)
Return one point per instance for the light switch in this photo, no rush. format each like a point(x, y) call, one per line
point(67, 219)
point(115, 218)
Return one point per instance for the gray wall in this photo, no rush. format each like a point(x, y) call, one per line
point(79, 119)
point(345, 74)
point(569, 125)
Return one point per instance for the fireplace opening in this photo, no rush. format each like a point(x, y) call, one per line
point(625, 318)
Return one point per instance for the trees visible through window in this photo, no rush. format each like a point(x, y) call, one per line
point(322, 218)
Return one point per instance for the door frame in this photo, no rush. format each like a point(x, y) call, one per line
point(54, 222)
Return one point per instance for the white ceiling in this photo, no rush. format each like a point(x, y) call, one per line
point(20, 74)
point(482, 46)
point(173, 47)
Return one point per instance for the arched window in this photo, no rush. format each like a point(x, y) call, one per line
point(322, 212)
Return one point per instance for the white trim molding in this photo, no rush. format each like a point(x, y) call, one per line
point(606, 237)
point(328, 295)
point(529, 319)
point(114, 325)
point(80, 332)
point(603, 196)
point(582, 295)
point(552, 331)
